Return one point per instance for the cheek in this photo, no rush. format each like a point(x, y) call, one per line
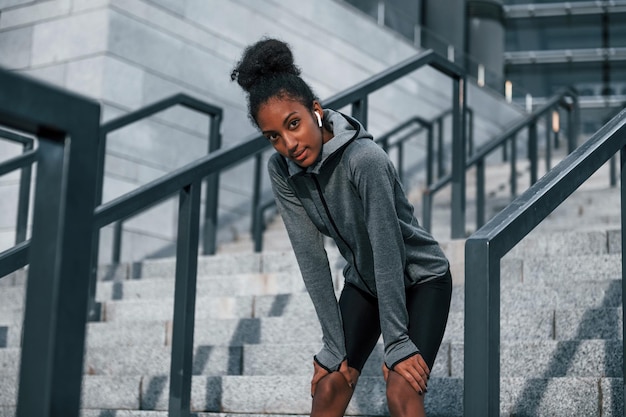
point(280, 149)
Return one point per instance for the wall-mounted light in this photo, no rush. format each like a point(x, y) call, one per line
point(481, 75)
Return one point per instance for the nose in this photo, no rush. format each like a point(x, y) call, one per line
point(290, 143)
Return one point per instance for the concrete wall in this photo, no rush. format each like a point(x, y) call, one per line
point(129, 53)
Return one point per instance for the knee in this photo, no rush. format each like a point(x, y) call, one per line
point(396, 401)
point(330, 388)
point(402, 399)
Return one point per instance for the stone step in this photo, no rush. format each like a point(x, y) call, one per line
point(228, 290)
point(290, 395)
point(154, 300)
point(220, 286)
point(514, 297)
point(598, 240)
point(222, 264)
point(549, 358)
point(587, 358)
point(516, 324)
point(142, 360)
point(573, 268)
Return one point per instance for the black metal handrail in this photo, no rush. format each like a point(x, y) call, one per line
point(186, 181)
point(215, 114)
point(485, 248)
point(66, 128)
point(478, 159)
point(16, 257)
point(23, 162)
point(212, 181)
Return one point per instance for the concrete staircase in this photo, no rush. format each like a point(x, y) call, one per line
point(256, 331)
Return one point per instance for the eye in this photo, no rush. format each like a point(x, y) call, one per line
point(272, 137)
point(294, 123)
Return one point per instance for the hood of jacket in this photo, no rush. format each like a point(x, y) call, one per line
point(345, 129)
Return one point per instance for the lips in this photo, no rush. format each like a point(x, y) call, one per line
point(300, 156)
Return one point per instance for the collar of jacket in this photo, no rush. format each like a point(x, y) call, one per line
point(345, 130)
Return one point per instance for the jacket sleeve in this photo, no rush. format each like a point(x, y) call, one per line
point(376, 181)
point(308, 246)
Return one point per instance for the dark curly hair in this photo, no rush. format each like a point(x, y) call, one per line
point(267, 70)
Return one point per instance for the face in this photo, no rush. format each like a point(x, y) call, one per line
point(292, 129)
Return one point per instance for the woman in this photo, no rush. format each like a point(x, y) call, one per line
point(330, 178)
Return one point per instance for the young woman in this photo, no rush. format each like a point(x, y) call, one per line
point(330, 179)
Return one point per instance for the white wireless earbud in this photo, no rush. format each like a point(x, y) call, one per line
point(319, 119)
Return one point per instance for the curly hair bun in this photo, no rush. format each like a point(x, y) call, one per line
point(266, 58)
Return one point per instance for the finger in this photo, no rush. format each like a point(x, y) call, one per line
point(418, 368)
point(423, 365)
point(349, 374)
point(318, 374)
point(412, 376)
point(314, 381)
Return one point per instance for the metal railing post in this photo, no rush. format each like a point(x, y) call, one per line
point(480, 193)
point(623, 225)
point(184, 300)
point(118, 231)
point(401, 162)
point(573, 125)
point(470, 132)
point(505, 152)
point(613, 171)
point(548, 142)
point(359, 110)
point(533, 152)
point(513, 164)
point(23, 199)
point(257, 231)
point(430, 145)
point(441, 168)
point(481, 393)
point(209, 240)
point(94, 309)
point(458, 158)
point(51, 365)
point(256, 192)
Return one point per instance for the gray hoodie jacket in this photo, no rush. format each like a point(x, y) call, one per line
point(353, 194)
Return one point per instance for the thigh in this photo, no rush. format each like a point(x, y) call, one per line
point(428, 305)
point(361, 324)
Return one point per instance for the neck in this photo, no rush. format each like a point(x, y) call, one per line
point(326, 135)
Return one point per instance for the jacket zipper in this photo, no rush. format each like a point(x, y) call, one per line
point(334, 225)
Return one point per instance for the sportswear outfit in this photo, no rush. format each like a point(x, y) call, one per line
point(352, 193)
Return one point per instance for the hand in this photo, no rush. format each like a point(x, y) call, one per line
point(414, 370)
point(318, 373)
point(351, 375)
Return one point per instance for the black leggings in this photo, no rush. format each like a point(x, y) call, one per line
point(428, 305)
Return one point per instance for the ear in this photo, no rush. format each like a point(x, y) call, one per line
point(317, 108)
